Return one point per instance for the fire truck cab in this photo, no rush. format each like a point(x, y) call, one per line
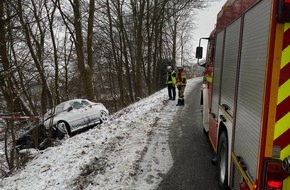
point(246, 94)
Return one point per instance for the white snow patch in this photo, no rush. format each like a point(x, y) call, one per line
point(131, 151)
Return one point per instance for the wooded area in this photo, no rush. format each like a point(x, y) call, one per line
point(112, 51)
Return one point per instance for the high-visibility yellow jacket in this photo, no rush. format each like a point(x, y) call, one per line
point(171, 77)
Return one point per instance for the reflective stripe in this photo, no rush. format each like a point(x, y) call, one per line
point(173, 78)
point(286, 27)
point(285, 59)
point(282, 125)
point(284, 91)
point(208, 79)
point(285, 152)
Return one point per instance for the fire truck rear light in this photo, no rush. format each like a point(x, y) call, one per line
point(283, 11)
point(274, 185)
point(274, 175)
point(244, 186)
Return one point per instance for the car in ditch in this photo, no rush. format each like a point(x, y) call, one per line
point(74, 115)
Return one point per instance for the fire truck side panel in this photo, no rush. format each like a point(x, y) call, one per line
point(229, 73)
point(251, 85)
point(217, 73)
point(216, 86)
point(228, 82)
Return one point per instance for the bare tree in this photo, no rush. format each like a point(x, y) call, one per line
point(51, 16)
point(55, 50)
point(35, 43)
point(84, 51)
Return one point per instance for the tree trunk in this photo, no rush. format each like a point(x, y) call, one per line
point(118, 62)
point(55, 52)
point(138, 14)
point(86, 72)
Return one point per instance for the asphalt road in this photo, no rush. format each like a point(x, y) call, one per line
point(190, 149)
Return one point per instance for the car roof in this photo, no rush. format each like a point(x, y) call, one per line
point(78, 100)
point(67, 103)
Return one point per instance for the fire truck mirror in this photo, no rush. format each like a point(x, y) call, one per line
point(198, 54)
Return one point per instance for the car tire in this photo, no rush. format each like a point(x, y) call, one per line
point(222, 161)
point(62, 130)
point(59, 135)
point(103, 116)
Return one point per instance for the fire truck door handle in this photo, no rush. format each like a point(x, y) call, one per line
point(223, 118)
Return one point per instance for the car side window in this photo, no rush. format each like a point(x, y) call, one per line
point(76, 105)
point(85, 103)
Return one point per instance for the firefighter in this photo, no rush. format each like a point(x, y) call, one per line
point(171, 82)
point(181, 83)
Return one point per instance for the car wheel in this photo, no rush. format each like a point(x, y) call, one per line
point(222, 161)
point(103, 116)
point(63, 129)
point(59, 135)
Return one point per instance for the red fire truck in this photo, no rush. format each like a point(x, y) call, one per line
point(246, 94)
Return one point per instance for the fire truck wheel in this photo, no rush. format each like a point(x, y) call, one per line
point(222, 161)
point(205, 132)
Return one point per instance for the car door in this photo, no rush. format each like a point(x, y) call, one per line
point(77, 115)
point(90, 112)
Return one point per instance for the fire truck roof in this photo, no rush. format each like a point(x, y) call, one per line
point(231, 10)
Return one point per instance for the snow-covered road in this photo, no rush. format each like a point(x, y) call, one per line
point(129, 152)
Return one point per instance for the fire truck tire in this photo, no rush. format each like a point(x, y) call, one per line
point(205, 132)
point(201, 97)
point(222, 161)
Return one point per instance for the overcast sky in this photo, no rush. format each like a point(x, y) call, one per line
point(206, 20)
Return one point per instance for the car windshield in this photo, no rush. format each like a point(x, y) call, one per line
point(76, 105)
point(59, 108)
point(56, 110)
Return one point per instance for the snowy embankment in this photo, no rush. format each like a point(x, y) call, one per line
point(131, 151)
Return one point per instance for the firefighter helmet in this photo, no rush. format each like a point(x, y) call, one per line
point(180, 67)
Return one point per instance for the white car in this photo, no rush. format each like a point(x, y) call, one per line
point(74, 115)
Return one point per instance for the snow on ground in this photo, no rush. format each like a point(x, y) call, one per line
point(131, 151)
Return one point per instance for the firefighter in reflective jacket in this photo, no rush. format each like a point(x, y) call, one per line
point(171, 82)
point(181, 83)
